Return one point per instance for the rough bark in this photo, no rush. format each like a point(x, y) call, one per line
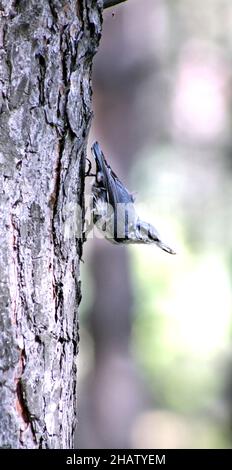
point(46, 51)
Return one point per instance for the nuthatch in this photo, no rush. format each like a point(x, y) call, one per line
point(114, 210)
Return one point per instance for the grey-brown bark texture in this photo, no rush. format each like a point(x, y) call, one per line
point(46, 52)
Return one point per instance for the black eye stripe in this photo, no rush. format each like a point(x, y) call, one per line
point(151, 236)
point(109, 189)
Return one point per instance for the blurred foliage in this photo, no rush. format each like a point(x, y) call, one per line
point(176, 82)
point(181, 334)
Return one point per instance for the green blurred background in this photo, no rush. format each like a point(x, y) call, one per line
point(155, 353)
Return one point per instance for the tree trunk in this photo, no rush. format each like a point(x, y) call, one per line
point(46, 51)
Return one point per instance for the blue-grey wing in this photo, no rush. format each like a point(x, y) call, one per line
point(115, 190)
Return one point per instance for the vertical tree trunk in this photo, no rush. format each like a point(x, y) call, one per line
point(46, 51)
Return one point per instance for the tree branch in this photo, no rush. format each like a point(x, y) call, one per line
point(111, 3)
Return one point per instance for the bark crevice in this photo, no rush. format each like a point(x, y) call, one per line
point(46, 53)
